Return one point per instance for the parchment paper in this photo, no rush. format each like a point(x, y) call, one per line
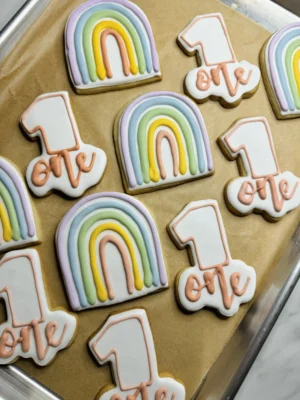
point(186, 345)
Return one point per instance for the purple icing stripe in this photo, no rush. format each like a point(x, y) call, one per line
point(272, 63)
point(71, 26)
point(62, 233)
point(136, 102)
point(16, 178)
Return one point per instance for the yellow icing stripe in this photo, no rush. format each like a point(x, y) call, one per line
point(7, 232)
point(101, 290)
point(153, 170)
point(296, 68)
point(100, 68)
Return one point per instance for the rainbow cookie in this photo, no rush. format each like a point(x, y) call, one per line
point(262, 188)
point(66, 164)
point(215, 279)
point(110, 45)
point(161, 140)
point(220, 76)
point(109, 251)
point(279, 60)
point(126, 341)
point(17, 226)
point(31, 329)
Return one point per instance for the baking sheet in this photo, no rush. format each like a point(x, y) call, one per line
point(186, 345)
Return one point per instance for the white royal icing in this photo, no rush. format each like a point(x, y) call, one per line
point(264, 187)
point(126, 341)
point(215, 280)
point(24, 334)
point(221, 75)
point(66, 163)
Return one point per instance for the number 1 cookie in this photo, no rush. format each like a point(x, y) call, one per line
point(220, 75)
point(66, 163)
point(215, 279)
point(32, 330)
point(263, 187)
point(126, 341)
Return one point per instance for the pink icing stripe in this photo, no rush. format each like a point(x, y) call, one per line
point(271, 58)
point(62, 231)
point(71, 26)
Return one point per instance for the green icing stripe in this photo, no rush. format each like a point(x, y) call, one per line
point(290, 72)
point(88, 46)
point(13, 219)
point(185, 129)
point(84, 259)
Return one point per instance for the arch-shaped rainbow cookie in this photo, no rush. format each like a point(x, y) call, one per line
point(161, 140)
point(17, 227)
point(281, 70)
point(109, 43)
point(109, 251)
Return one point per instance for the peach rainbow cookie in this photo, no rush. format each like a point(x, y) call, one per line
point(220, 75)
point(126, 341)
point(110, 45)
point(215, 279)
point(161, 140)
point(17, 226)
point(109, 251)
point(31, 330)
point(66, 164)
point(279, 60)
point(263, 187)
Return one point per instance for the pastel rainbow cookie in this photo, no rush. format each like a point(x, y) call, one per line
point(281, 71)
point(161, 140)
point(110, 44)
point(17, 226)
point(109, 251)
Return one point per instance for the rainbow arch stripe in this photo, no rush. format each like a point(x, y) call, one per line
point(17, 227)
point(142, 127)
point(81, 241)
point(282, 63)
point(90, 59)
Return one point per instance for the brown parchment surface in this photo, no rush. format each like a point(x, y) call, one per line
point(186, 345)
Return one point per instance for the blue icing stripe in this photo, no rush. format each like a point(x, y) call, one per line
point(281, 68)
point(72, 242)
point(163, 101)
point(8, 183)
point(125, 12)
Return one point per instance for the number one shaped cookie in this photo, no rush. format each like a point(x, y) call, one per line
point(220, 75)
point(32, 330)
point(262, 187)
point(215, 279)
point(66, 163)
point(126, 341)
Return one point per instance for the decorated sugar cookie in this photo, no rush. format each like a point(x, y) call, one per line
point(262, 187)
point(66, 164)
point(17, 226)
point(161, 140)
point(279, 61)
point(109, 251)
point(110, 45)
point(125, 340)
point(215, 279)
point(32, 330)
point(220, 75)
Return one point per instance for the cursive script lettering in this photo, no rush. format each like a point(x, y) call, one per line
point(161, 394)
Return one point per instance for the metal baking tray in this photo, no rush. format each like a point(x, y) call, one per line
point(236, 359)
